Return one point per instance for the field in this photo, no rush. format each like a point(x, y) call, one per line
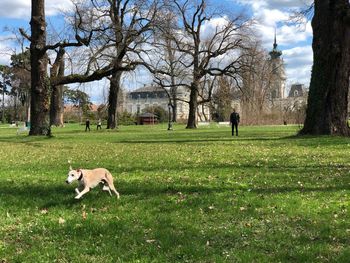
point(186, 196)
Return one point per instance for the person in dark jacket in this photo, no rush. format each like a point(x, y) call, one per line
point(87, 125)
point(234, 121)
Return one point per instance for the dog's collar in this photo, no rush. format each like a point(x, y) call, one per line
point(81, 176)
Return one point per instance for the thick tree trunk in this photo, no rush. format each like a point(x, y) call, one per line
point(113, 100)
point(191, 122)
point(39, 61)
point(56, 106)
point(328, 95)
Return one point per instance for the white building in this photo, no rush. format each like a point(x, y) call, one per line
point(136, 101)
point(278, 83)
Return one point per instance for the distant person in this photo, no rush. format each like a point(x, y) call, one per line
point(234, 121)
point(87, 125)
point(99, 124)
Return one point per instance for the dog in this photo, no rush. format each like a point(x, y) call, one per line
point(89, 179)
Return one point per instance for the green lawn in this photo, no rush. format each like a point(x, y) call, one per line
point(186, 196)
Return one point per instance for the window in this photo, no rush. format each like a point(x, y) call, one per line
point(138, 109)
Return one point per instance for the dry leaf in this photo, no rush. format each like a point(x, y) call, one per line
point(44, 211)
point(61, 220)
point(84, 215)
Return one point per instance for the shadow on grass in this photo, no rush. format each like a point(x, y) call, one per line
point(60, 195)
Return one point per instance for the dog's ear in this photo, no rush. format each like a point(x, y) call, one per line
point(70, 168)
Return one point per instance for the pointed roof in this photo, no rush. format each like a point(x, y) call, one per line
point(275, 53)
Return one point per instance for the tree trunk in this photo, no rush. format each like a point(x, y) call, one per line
point(113, 100)
point(191, 122)
point(173, 95)
point(3, 106)
point(56, 106)
point(39, 61)
point(328, 95)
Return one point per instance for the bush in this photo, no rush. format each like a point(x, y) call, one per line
point(126, 118)
point(159, 111)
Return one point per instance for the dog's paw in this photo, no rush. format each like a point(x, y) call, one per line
point(77, 197)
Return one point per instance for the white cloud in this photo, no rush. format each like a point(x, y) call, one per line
point(294, 40)
point(298, 64)
point(21, 9)
point(7, 48)
point(276, 4)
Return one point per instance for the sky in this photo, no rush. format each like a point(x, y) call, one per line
point(268, 15)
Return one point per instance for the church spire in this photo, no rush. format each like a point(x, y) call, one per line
point(275, 42)
point(275, 53)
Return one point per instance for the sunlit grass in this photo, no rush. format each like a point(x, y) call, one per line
point(186, 196)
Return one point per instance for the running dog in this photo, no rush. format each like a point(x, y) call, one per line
point(89, 179)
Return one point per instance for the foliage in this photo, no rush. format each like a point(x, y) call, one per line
point(126, 118)
point(78, 98)
point(159, 111)
point(186, 196)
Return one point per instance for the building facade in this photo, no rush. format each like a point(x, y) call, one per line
point(278, 78)
point(135, 102)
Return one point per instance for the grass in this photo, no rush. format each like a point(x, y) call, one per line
point(186, 196)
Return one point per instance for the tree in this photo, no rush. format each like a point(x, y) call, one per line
point(222, 99)
point(165, 62)
point(125, 27)
point(40, 82)
point(256, 81)
point(78, 99)
point(5, 82)
point(328, 93)
point(20, 68)
point(206, 53)
point(157, 110)
point(57, 105)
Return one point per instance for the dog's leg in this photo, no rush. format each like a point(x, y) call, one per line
point(77, 190)
point(86, 189)
point(106, 188)
point(113, 189)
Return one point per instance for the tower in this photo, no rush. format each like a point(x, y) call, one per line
point(278, 72)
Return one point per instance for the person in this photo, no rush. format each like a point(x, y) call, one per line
point(234, 121)
point(87, 125)
point(99, 124)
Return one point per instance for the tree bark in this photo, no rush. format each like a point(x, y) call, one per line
point(39, 62)
point(56, 106)
point(113, 100)
point(328, 95)
point(193, 104)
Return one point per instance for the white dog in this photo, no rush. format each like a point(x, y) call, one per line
point(89, 179)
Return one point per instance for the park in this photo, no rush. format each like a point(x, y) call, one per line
point(119, 135)
point(185, 196)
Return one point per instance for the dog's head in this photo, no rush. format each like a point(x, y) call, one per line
point(73, 175)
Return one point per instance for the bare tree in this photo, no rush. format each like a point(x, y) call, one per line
point(207, 53)
point(126, 26)
point(165, 60)
point(40, 82)
point(256, 79)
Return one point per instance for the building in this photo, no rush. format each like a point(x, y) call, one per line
point(278, 83)
point(135, 102)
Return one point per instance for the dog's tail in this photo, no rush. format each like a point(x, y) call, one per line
point(109, 179)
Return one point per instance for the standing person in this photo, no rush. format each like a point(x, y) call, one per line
point(99, 124)
point(234, 121)
point(87, 125)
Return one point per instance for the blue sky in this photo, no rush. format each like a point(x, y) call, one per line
point(293, 40)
